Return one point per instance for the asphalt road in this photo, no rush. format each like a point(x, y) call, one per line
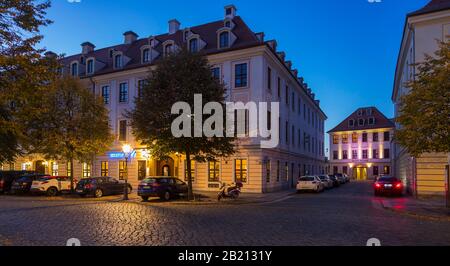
point(349, 215)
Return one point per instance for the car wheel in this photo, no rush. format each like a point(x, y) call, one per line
point(51, 192)
point(144, 198)
point(98, 193)
point(166, 196)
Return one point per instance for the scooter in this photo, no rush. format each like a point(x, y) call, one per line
point(230, 191)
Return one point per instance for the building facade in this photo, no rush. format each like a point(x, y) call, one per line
point(361, 145)
point(424, 175)
point(252, 69)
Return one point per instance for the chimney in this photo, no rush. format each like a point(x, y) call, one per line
point(295, 72)
point(230, 11)
point(282, 55)
point(87, 47)
point(272, 44)
point(288, 64)
point(318, 102)
point(301, 79)
point(174, 26)
point(313, 96)
point(130, 37)
point(260, 36)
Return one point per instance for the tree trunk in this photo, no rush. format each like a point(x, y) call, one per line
point(71, 175)
point(189, 176)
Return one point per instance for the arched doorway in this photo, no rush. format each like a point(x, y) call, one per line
point(166, 167)
point(39, 167)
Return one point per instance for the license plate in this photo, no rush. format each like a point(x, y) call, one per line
point(147, 187)
point(388, 186)
point(79, 191)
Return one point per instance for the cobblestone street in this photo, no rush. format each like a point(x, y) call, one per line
point(349, 215)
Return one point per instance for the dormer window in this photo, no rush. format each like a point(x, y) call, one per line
point(351, 123)
point(371, 120)
point(146, 55)
point(361, 122)
point(118, 61)
point(369, 111)
point(193, 45)
point(228, 24)
point(90, 66)
point(360, 112)
point(224, 40)
point(74, 69)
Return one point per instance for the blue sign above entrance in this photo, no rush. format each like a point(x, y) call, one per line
point(120, 155)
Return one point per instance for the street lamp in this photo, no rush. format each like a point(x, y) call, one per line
point(127, 150)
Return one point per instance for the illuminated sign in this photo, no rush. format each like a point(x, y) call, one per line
point(121, 155)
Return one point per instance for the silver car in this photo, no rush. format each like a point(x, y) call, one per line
point(326, 180)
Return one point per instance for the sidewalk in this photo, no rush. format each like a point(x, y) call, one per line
point(432, 208)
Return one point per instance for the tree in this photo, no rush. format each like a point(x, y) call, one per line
point(177, 78)
point(24, 72)
point(425, 111)
point(74, 124)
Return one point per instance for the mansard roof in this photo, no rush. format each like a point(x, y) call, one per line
point(365, 113)
point(432, 6)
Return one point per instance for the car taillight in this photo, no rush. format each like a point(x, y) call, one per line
point(377, 185)
point(88, 186)
point(399, 185)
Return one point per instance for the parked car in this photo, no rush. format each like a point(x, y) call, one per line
point(7, 178)
point(51, 185)
point(346, 178)
point(388, 185)
point(327, 182)
point(311, 183)
point(100, 186)
point(162, 187)
point(340, 178)
point(336, 182)
point(23, 184)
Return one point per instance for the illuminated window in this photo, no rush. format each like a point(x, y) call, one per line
point(240, 173)
point(192, 171)
point(387, 170)
point(122, 170)
point(55, 168)
point(69, 169)
point(213, 171)
point(268, 171)
point(355, 137)
point(104, 168)
point(335, 139)
point(86, 170)
point(344, 139)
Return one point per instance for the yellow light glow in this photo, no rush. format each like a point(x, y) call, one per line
point(146, 154)
point(369, 165)
point(351, 165)
point(126, 148)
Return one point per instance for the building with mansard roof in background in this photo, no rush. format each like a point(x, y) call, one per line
point(251, 68)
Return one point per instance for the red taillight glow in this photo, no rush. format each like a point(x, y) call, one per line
point(377, 185)
point(88, 186)
point(399, 185)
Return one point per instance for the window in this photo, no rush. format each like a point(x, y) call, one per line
point(193, 45)
point(335, 139)
point(123, 92)
point(269, 79)
point(192, 171)
point(335, 155)
point(69, 169)
point(375, 171)
point(104, 168)
point(364, 137)
point(387, 154)
point(240, 173)
point(240, 75)
point(293, 136)
point(287, 132)
point(142, 169)
point(286, 170)
point(299, 105)
point(344, 154)
point(122, 170)
point(375, 154)
point(387, 170)
point(224, 39)
point(123, 130)
point(351, 123)
point(55, 168)
point(387, 136)
point(279, 87)
point(90, 66)
point(361, 122)
point(105, 94)
point(345, 138)
point(371, 121)
point(86, 170)
point(293, 101)
point(365, 154)
point(118, 61)
point(168, 49)
point(278, 171)
point(375, 137)
point(269, 120)
point(228, 24)
point(213, 171)
point(74, 69)
point(344, 169)
point(146, 55)
point(355, 137)
point(141, 85)
point(216, 73)
point(354, 154)
point(287, 94)
point(228, 11)
point(268, 171)
point(335, 170)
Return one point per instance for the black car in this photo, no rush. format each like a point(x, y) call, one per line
point(100, 186)
point(23, 184)
point(8, 177)
point(388, 185)
point(336, 182)
point(163, 187)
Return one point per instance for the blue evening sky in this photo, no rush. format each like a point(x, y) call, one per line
point(346, 50)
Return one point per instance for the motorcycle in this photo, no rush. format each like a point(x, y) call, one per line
point(230, 191)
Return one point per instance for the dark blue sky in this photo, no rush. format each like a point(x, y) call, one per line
point(346, 50)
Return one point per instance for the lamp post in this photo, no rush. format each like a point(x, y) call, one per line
point(127, 152)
